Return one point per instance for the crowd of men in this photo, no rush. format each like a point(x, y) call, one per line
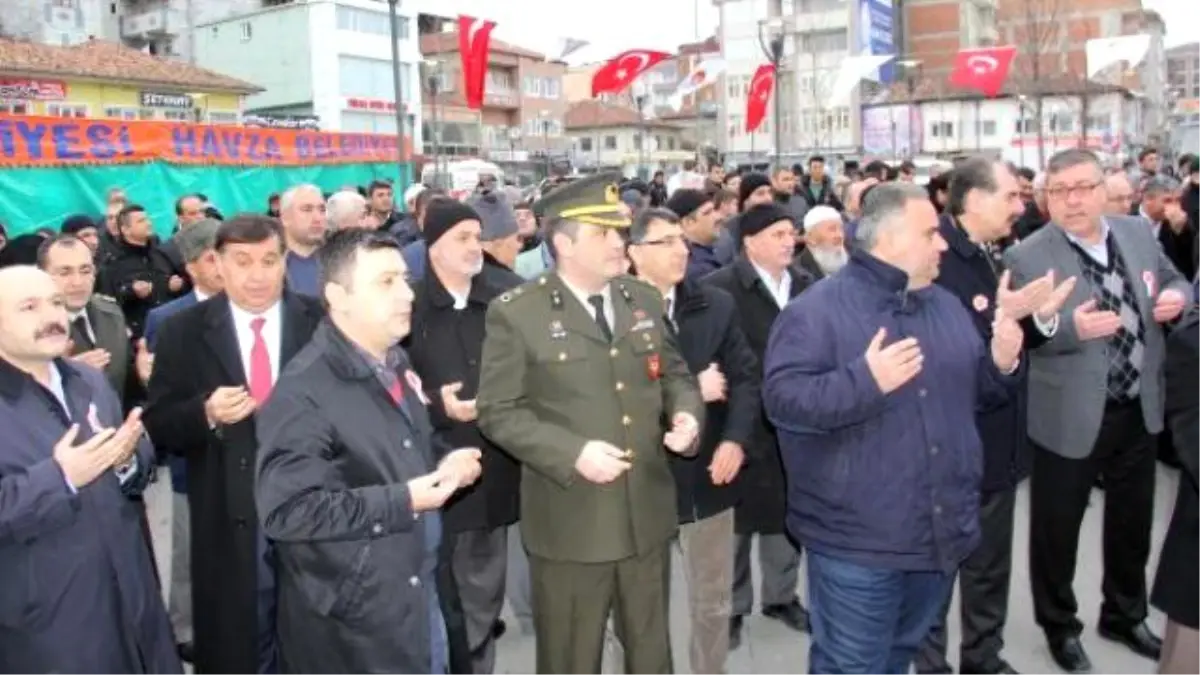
point(383, 421)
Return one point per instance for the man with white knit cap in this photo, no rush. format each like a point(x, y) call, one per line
point(824, 249)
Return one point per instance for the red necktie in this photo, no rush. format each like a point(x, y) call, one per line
point(397, 391)
point(260, 364)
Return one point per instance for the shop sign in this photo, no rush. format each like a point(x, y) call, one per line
point(32, 90)
point(158, 99)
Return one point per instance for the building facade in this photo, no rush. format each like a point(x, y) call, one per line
point(607, 136)
point(336, 69)
point(106, 80)
point(521, 124)
point(1183, 76)
point(1005, 127)
point(817, 35)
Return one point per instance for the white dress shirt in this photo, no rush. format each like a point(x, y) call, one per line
point(582, 297)
point(782, 291)
point(272, 333)
point(669, 307)
point(1097, 251)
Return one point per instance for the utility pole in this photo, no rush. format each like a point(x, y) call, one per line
point(397, 83)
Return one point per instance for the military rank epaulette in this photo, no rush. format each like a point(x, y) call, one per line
point(624, 291)
point(508, 296)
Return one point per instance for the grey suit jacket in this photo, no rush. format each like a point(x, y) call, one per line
point(108, 322)
point(1067, 376)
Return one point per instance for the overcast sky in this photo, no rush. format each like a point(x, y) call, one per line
point(612, 26)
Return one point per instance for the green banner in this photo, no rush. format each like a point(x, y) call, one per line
point(32, 198)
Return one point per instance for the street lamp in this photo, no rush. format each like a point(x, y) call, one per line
point(771, 33)
point(433, 81)
point(640, 97)
point(1021, 100)
point(514, 135)
point(544, 123)
point(912, 69)
point(397, 84)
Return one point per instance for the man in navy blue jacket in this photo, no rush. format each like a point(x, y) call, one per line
point(984, 201)
point(872, 380)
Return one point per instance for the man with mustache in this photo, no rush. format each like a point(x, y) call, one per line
point(79, 591)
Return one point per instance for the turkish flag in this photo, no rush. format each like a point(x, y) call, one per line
point(620, 71)
point(760, 94)
point(983, 69)
point(474, 39)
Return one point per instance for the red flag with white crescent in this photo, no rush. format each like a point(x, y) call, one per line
point(761, 87)
point(474, 40)
point(621, 70)
point(983, 69)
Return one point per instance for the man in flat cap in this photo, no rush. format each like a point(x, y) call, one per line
point(582, 383)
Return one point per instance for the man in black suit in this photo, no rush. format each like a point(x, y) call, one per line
point(983, 203)
point(215, 366)
point(762, 280)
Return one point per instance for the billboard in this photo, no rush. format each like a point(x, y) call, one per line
point(876, 32)
point(892, 130)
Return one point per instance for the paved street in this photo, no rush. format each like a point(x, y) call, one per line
point(771, 648)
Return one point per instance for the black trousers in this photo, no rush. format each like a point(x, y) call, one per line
point(1124, 456)
point(983, 582)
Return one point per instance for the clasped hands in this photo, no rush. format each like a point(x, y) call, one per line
point(601, 462)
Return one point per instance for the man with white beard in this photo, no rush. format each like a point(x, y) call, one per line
point(824, 249)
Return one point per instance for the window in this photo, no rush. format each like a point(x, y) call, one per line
point(14, 108)
point(532, 86)
point(359, 20)
point(369, 123)
point(222, 117)
point(670, 142)
point(818, 42)
point(372, 78)
point(1026, 126)
point(66, 110)
point(585, 145)
point(942, 130)
point(121, 113)
point(637, 141)
point(1101, 123)
point(247, 31)
point(610, 142)
point(985, 128)
point(178, 115)
point(1062, 123)
point(500, 81)
point(551, 88)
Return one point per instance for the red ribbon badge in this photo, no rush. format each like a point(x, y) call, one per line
point(654, 367)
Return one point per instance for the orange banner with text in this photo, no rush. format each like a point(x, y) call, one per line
point(55, 141)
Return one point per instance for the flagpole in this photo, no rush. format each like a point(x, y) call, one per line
point(397, 83)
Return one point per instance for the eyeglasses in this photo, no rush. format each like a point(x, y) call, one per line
point(1065, 191)
point(670, 241)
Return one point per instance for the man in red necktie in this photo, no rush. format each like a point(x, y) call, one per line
point(216, 365)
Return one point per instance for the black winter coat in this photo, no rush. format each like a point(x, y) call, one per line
point(446, 345)
point(710, 332)
point(761, 485)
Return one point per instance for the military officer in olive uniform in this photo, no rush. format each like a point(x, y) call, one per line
point(583, 384)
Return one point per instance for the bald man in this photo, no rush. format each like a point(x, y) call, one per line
point(79, 591)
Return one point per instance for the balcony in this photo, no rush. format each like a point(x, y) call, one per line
point(504, 99)
point(152, 25)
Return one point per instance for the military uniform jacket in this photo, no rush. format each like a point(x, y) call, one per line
point(551, 382)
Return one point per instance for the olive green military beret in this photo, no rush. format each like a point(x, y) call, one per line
point(593, 200)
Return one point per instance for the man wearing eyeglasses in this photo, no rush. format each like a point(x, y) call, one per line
point(1095, 402)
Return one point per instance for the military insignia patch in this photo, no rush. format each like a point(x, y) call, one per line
point(557, 332)
point(654, 367)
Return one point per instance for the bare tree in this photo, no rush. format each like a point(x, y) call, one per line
point(1037, 28)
